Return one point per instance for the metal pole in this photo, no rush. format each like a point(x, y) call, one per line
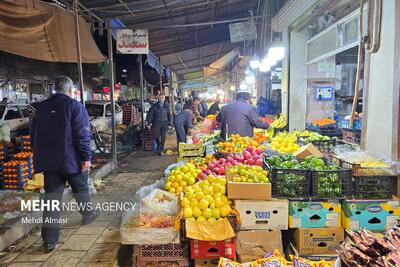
point(161, 87)
point(78, 49)
point(142, 98)
point(112, 82)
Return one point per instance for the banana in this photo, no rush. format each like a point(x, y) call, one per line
point(280, 122)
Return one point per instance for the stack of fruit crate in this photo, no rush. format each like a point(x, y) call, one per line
point(190, 151)
point(16, 174)
point(26, 143)
point(130, 115)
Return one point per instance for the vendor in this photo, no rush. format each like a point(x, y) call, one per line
point(214, 109)
point(183, 122)
point(240, 117)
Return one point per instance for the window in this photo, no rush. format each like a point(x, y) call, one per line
point(94, 110)
point(26, 111)
point(12, 113)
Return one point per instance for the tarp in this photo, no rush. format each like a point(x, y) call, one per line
point(44, 31)
point(220, 63)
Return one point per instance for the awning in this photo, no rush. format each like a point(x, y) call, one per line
point(221, 63)
point(44, 31)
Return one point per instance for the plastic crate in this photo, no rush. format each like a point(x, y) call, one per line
point(331, 184)
point(163, 253)
point(162, 264)
point(323, 145)
point(190, 150)
point(374, 187)
point(345, 124)
point(358, 170)
point(284, 185)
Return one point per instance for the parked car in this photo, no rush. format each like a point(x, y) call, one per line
point(17, 116)
point(100, 114)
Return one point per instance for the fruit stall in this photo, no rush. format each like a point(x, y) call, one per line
point(281, 198)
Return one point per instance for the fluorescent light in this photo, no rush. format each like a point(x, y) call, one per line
point(232, 88)
point(270, 61)
point(278, 69)
point(255, 62)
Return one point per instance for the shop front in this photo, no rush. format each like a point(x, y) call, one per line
point(319, 75)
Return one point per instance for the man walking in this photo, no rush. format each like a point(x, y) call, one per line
point(159, 118)
point(61, 148)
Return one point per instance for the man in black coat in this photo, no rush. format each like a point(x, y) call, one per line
point(159, 118)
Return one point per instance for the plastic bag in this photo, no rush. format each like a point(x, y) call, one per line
point(160, 202)
point(207, 126)
point(173, 166)
point(146, 190)
point(5, 133)
point(209, 231)
point(143, 229)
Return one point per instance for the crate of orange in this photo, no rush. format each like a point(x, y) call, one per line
point(236, 144)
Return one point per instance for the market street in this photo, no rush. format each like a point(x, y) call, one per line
point(97, 244)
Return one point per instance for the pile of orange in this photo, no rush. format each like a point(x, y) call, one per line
point(323, 122)
point(260, 137)
point(236, 144)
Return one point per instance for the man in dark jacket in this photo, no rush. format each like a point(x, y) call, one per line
point(61, 148)
point(159, 118)
point(214, 109)
point(240, 117)
point(204, 108)
point(182, 123)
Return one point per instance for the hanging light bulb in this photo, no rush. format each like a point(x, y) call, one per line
point(269, 60)
point(276, 52)
point(243, 86)
point(264, 67)
point(255, 62)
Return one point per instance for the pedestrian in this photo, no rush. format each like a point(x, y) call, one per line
point(159, 118)
point(214, 108)
point(61, 149)
point(204, 107)
point(182, 123)
point(240, 117)
point(5, 100)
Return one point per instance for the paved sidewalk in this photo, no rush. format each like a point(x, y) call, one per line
point(97, 244)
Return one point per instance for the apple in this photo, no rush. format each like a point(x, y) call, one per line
point(259, 162)
point(221, 170)
point(249, 149)
point(250, 161)
point(259, 151)
point(228, 164)
point(246, 154)
point(207, 172)
point(222, 160)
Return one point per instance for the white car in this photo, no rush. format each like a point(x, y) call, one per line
point(100, 114)
point(17, 117)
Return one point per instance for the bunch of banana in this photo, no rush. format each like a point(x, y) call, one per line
point(280, 122)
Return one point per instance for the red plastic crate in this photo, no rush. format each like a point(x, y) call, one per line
point(212, 249)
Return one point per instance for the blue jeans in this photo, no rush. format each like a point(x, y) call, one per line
point(54, 184)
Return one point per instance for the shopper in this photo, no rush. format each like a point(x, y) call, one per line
point(178, 106)
point(159, 118)
point(240, 117)
point(194, 106)
point(204, 107)
point(214, 108)
point(183, 122)
point(61, 148)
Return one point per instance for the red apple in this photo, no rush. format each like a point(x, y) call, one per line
point(259, 162)
point(250, 161)
point(222, 160)
point(259, 151)
point(249, 149)
point(221, 170)
point(207, 172)
point(246, 154)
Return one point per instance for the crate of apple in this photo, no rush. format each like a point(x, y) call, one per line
point(250, 157)
point(247, 174)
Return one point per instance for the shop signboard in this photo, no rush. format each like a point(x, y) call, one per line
point(242, 31)
point(197, 83)
point(132, 41)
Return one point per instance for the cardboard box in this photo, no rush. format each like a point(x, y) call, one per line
point(251, 191)
point(206, 263)
point(314, 214)
point(314, 241)
point(308, 150)
point(263, 215)
point(254, 244)
point(375, 215)
point(212, 249)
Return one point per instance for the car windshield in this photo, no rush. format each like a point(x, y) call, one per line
point(94, 110)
